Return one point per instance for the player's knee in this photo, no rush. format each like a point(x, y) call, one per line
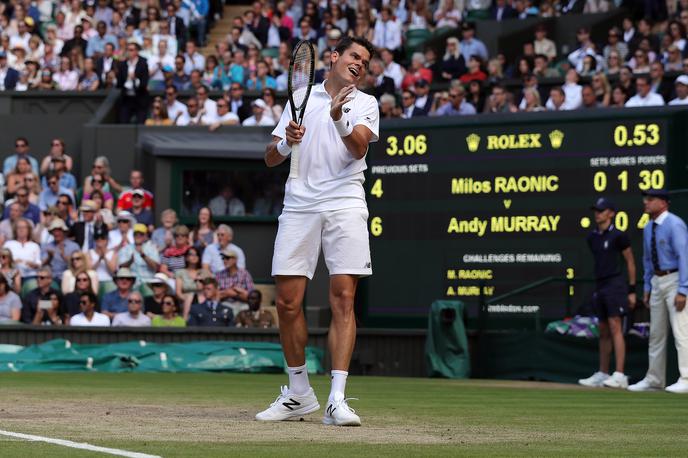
point(287, 308)
point(343, 297)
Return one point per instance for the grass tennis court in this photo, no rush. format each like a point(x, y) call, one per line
point(180, 415)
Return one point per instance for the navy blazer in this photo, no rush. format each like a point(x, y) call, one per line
point(11, 79)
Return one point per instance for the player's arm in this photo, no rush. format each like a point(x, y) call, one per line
point(357, 142)
point(272, 156)
point(355, 138)
point(294, 134)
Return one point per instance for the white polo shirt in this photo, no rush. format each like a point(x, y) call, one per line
point(98, 319)
point(330, 178)
point(651, 100)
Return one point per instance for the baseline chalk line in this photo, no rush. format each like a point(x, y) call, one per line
point(77, 445)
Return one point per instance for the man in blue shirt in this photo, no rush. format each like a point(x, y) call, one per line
point(471, 45)
point(28, 210)
point(52, 192)
point(457, 104)
point(665, 263)
point(96, 44)
point(199, 20)
point(612, 296)
point(21, 146)
point(59, 168)
point(117, 301)
point(57, 254)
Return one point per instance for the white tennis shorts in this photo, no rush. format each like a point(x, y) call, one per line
point(343, 235)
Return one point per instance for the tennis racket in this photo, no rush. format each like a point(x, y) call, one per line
point(301, 77)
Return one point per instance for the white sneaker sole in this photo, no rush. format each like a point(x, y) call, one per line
point(294, 415)
point(641, 390)
point(615, 385)
point(329, 421)
point(590, 385)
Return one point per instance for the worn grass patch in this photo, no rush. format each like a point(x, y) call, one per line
point(208, 415)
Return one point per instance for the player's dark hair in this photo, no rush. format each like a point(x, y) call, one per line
point(347, 42)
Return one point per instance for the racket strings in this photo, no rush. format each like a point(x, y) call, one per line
point(301, 75)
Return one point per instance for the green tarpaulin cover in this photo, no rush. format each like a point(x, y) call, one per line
point(446, 347)
point(142, 356)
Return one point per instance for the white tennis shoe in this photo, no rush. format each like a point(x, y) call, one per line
point(617, 380)
point(339, 413)
point(288, 406)
point(595, 380)
point(644, 385)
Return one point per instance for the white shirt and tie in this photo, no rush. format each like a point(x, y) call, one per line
point(88, 237)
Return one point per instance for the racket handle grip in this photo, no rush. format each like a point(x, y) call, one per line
point(294, 165)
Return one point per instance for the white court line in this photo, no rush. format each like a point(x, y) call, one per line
point(78, 445)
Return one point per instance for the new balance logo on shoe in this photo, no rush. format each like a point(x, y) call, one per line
point(290, 405)
point(330, 409)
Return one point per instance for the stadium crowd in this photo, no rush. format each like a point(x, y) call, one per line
point(88, 253)
point(148, 47)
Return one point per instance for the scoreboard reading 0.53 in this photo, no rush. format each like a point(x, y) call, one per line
point(456, 208)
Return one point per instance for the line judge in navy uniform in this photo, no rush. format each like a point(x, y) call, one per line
point(211, 312)
point(665, 264)
point(613, 295)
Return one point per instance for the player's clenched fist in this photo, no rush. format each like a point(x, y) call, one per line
point(294, 133)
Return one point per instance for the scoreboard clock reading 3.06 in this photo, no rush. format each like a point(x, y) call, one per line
point(455, 208)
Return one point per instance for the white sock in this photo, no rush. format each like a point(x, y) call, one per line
point(338, 383)
point(298, 380)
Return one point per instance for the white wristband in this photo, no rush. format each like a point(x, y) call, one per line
point(344, 126)
point(283, 148)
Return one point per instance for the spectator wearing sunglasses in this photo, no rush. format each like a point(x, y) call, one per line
point(52, 192)
point(42, 292)
point(134, 316)
point(21, 148)
point(169, 317)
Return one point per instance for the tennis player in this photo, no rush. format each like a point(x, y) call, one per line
point(325, 206)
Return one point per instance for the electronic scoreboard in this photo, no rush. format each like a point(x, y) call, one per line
point(460, 208)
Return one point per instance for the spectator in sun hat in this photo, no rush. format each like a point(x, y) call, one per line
point(57, 253)
point(160, 284)
point(142, 256)
point(234, 283)
point(117, 301)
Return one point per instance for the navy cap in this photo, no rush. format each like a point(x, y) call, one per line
point(603, 204)
point(660, 193)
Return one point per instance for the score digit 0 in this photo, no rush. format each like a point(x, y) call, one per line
point(411, 144)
